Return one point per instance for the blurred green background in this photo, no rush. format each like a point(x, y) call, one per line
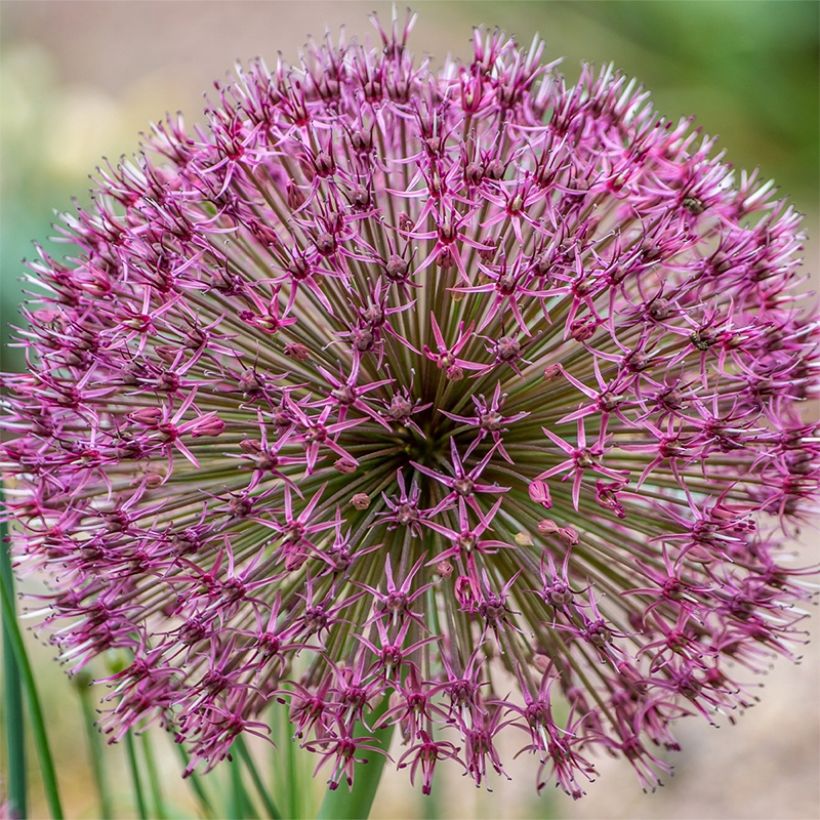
point(79, 80)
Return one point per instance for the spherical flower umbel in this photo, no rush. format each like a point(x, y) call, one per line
point(466, 401)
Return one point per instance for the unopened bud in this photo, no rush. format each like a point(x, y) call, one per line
point(569, 534)
point(208, 426)
point(540, 493)
point(148, 416)
point(473, 173)
point(296, 350)
point(444, 569)
point(396, 268)
point(465, 593)
point(361, 501)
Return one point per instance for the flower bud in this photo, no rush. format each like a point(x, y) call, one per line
point(210, 425)
point(539, 492)
point(298, 351)
point(361, 501)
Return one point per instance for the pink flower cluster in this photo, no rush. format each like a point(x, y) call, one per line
point(466, 401)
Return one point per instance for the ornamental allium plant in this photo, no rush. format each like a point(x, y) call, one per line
point(466, 402)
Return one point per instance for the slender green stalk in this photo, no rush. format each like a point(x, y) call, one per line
point(292, 773)
point(153, 779)
point(355, 803)
point(38, 726)
point(239, 804)
point(430, 804)
point(95, 746)
point(205, 805)
point(285, 771)
point(270, 807)
point(235, 807)
point(12, 698)
point(136, 780)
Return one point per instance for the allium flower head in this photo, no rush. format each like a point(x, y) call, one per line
point(472, 390)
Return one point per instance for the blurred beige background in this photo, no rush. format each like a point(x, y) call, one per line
point(79, 80)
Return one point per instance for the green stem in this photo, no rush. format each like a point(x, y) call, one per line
point(195, 783)
point(12, 697)
point(136, 780)
point(235, 807)
point(267, 800)
point(293, 790)
point(355, 803)
point(430, 805)
point(153, 779)
point(285, 769)
point(95, 746)
point(239, 804)
point(38, 726)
